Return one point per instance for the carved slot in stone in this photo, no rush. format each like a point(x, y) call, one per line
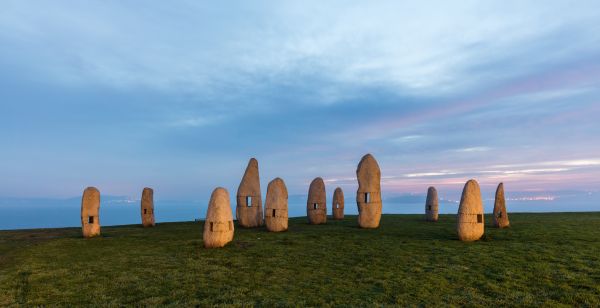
point(479, 218)
point(91, 219)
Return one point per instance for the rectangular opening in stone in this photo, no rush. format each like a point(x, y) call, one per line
point(367, 197)
point(90, 219)
point(248, 201)
point(211, 227)
point(145, 210)
point(479, 218)
point(499, 215)
point(337, 206)
point(315, 206)
point(273, 212)
point(429, 207)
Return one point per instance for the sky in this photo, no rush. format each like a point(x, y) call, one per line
point(178, 95)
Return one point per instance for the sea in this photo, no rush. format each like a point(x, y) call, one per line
point(18, 213)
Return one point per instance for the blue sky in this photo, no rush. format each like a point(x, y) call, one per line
point(179, 95)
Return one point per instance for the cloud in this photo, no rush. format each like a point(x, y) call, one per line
point(494, 90)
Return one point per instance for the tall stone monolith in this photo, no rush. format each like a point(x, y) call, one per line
point(218, 226)
point(249, 211)
point(90, 212)
point(337, 205)
point(316, 205)
point(147, 207)
point(368, 195)
point(470, 226)
point(500, 213)
point(276, 206)
point(431, 205)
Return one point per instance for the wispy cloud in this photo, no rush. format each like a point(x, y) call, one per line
point(490, 90)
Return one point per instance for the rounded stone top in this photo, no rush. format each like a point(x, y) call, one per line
point(147, 189)
point(338, 192)
point(368, 174)
point(277, 194)
point(91, 189)
point(250, 184)
point(90, 201)
point(219, 206)
point(470, 201)
point(316, 191)
point(432, 196)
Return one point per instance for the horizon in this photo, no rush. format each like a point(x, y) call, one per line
point(101, 94)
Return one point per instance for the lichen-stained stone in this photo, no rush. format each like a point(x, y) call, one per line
point(431, 205)
point(470, 226)
point(276, 206)
point(90, 212)
point(337, 205)
point(500, 213)
point(316, 205)
point(218, 226)
point(147, 207)
point(368, 195)
point(249, 211)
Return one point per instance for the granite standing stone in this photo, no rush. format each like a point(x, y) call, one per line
point(470, 226)
point(316, 205)
point(431, 205)
point(337, 205)
point(368, 195)
point(147, 207)
point(276, 206)
point(90, 212)
point(218, 226)
point(249, 211)
point(500, 213)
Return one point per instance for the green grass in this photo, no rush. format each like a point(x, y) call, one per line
point(543, 259)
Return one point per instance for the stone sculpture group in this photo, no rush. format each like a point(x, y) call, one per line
point(219, 225)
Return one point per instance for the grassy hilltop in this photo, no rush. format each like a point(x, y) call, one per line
point(543, 259)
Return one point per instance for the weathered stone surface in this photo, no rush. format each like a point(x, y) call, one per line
point(218, 226)
point(147, 207)
point(276, 206)
point(368, 195)
point(316, 205)
point(90, 212)
point(431, 205)
point(337, 205)
point(249, 211)
point(470, 225)
point(500, 214)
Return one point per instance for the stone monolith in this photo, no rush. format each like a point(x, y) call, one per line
point(276, 206)
point(90, 212)
point(500, 214)
point(469, 225)
point(218, 226)
point(147, 207)
point(249, 211)
point(431, 205)
point(368, 195)
point(337, 205)
point(316, 206)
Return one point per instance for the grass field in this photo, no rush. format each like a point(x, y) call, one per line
point(544, 259)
